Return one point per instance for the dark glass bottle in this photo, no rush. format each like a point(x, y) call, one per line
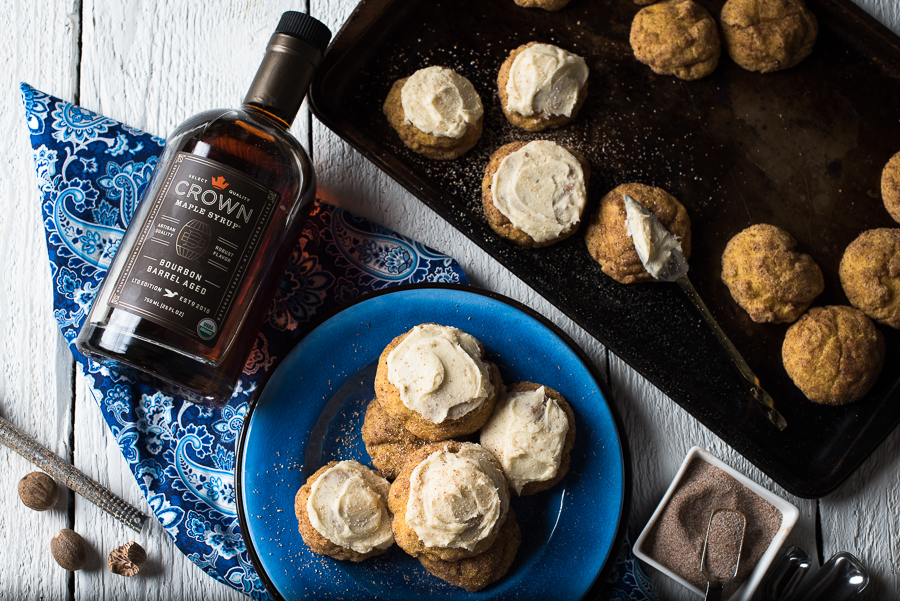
point(192, 281)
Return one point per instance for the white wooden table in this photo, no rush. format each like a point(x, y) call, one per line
point(152, 63)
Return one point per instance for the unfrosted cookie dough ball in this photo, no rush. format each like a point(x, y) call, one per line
point(890, 187)
point(767, 277)
point(449, 502)
point(436, 112)
point(475, 573)
point(870, 275)
point(608, 239)
point(551, 5)
point(534, 193)
point(768, 35)
point(342, 512)
point(531, 433)
point(676, 37)
point(435, 382)
point(833, 354)
point(542, 86)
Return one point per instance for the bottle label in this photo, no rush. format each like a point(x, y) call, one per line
point(200, 237)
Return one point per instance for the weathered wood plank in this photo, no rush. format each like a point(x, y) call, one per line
point(35, 377)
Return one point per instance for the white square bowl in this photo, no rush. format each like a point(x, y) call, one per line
point(789, 516)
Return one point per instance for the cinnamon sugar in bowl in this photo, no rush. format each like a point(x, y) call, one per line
point(672, 540)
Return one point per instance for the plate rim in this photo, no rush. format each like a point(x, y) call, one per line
point(624, 446)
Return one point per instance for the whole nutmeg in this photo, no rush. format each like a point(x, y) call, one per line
point(38, 491)
point(127, 560)
point(69, 550)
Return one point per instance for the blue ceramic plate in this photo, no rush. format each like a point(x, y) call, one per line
point(311, 410)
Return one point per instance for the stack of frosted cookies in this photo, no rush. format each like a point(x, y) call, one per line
point(450, 499)
point(449, 503)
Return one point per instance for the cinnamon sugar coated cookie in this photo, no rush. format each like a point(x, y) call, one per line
point(870, 275)
point(342, 512)
point(449, 502)
point(890, 187)
point(608, 239)
point(676, 37)
point(387, 442)
point(475, 573)
point(534, 193)
point(768, 35)
point(531, 433)
point(435, 382)
point(767, 277)
point(542, 86)
point(436, 112)
point(551, 5)
point(833, 354)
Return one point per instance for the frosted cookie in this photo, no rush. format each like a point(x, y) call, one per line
point(609, 239)
point(435, 382)
point(475, 573)
point(890, 187)
point(534, 193)
point(342, 512)
point(767, 277)
point(541, 86)
point(531, 433)
point(551, 5)
point(833, 354)
point(676, 37)
point(387, 442)
point(768, 35)
point(870, 275)
point(436, 112)
point(449, 502)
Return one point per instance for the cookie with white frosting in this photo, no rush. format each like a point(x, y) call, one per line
point(342, 512)
point(531, 433)
point(534, 193)
point(475, 573)
point(435, 382)
point(449, 502)
point(387, 442)
point(542, 86)
point(609, 238)
point(436, 112)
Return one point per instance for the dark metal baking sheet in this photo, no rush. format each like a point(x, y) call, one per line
point(802, 149)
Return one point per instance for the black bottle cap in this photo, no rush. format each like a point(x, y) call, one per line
point(306, 28)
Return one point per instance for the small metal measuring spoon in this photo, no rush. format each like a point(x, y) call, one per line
point(722, 550)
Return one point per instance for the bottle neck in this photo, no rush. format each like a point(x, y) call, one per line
point(283, 78)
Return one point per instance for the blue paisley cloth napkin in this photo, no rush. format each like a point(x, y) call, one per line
point(91, 171)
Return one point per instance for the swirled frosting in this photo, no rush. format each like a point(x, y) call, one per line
point(456, 499)
point(540, 188)
point(652, 241)
point(439, 372)
point(526, 434)
point(440, 102)
point(545, 79)
point(347, 505)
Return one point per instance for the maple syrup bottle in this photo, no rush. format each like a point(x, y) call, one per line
point(193, 278)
